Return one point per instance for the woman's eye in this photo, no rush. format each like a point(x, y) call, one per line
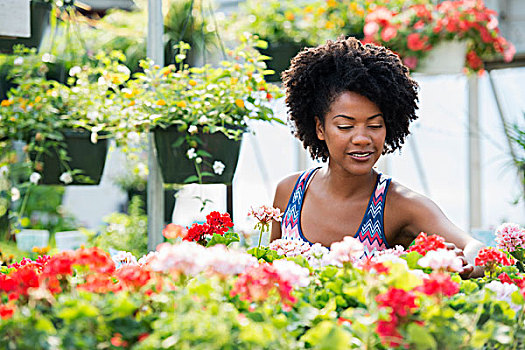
point(376, 126)
point(344, 127)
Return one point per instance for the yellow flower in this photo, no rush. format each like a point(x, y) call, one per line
point(329, 25)
point(6, 103)
point(239, 103)
point(234, 80)
point(38, 99)
point(181, 104)
point(192, 82)
point(161, 102)
point(321, 10)
point(331, 3)
point(289, 15)
point(308, 9)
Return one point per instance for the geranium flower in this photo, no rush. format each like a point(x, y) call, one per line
point(490, 257)
point(293, 273)
point(348, 250)
point(425, 243)
point(172, 231)
point(439, 284)
point(442, 260)
point(265, 214)
point(510, 237)
point(503, 292)
point(218, 167)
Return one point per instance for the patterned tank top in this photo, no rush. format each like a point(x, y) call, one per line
point(370, 232)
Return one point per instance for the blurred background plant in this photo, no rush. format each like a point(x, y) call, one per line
point(127, 232)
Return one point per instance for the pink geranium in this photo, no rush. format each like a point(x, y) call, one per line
point(510, 237)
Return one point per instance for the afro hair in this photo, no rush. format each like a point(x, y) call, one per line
point(317, 76)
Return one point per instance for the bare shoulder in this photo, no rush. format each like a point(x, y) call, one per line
point(284, 191)
point(407, 201)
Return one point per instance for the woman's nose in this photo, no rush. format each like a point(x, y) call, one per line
point(361, 137)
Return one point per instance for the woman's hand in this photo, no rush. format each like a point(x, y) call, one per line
point(468, 269)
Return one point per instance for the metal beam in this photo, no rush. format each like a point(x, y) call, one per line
point(155, 51)
point(474, 147)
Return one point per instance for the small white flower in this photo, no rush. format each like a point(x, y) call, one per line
point(94, 137)
point(198, 160)
point(35, 177)
point(191, 154)
point(66, 178)
point(48, 58)
point(154, 116)
point(442, 259)
point(142, 170)
point(4, 170)
point(203, 120)
point(218, 167)
point(75, 89)
point(102, 81)
point(15, 194)
point(75, 70)
point(123, 69)
point(18, 61)
point(192, 129)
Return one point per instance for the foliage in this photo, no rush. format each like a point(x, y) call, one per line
point(125, 232)
point(413, 32)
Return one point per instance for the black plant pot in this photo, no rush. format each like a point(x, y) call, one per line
point(39, 23)
point(169, 201)
point(281, 54)
point(177, 168)
point(84, 155)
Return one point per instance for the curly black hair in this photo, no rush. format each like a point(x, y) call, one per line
point(317, 76)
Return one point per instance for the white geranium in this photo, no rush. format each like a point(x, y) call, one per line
point(293, 273)
point(218, 167)
point(15, 194)
point(442, 259)
point(75, 70)
point(191, 154)
point(193, 129)
point(35, 177)
point(66, 178)
point(18, 61)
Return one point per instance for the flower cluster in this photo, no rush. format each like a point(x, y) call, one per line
point(490, 257)
point(315, 254)
point(190, 259)
point(257, 283)
point(442, 260)
point(425, 243)
point(215, 223)
point(402, 304)
point(415, 30)
point(265, 214)
point(349, 250)
point(439, 284)
point(510, 237)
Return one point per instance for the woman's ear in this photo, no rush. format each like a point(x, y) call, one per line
point(319, 128)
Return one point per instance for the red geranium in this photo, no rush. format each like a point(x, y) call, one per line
point(215, 223)
point(439, 284)
point(425, 243)
point(490, 257)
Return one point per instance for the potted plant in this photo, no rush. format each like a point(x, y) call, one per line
point(420, 29)
point(56, 120)
point(199, 114)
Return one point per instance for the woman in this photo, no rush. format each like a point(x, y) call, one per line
point(350, 103)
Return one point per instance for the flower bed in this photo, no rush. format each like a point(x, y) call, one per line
point(208, 296)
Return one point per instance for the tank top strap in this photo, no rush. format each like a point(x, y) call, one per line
point(290, 226)
point(371, 232)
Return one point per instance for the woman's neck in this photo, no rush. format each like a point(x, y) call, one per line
point(340, 183)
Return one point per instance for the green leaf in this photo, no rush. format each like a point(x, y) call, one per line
point(193, 178)
point(227, 239)
point(327, 336)
point(517, 298)
point(203, 153)
point(412, 258)
point(264, 253)
point(420, 337)
point(180, 140)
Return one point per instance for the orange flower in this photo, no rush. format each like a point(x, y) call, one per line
point(173, 231)
point(132, 103)
point(6, 103)
point(289, 15)
point(181, 104)
point(331, 3)
point(192, 82)
point(239, 103)
point(38, 99)
point(161, 102)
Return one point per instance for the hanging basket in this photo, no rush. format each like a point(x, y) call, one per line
point(447, 57)
point(84, 155)
point(281, 54)
point(39, 24)
point(177, 168)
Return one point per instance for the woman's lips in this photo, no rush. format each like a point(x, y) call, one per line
point(360, 156)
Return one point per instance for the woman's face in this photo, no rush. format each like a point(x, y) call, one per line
point(354, 132)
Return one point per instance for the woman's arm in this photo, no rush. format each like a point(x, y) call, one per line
point(282, 196)
point(420, 214)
